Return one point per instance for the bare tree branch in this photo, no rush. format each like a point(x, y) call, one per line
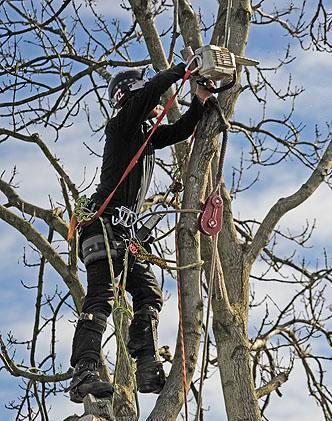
point(285, 204)
point(32, 235)
point(272, 385)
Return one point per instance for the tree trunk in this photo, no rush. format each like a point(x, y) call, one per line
point(230, 319)
point(124, 401)
point(233, 349)
point(170, 400)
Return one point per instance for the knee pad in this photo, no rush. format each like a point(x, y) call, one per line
point(93, 248)
point(96, 322)
point(143, 336)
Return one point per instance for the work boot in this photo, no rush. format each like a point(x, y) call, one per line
point(86, 380)
point(150, 375)
point(143, 347)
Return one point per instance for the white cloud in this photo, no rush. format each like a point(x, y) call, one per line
point(256, 205)
point(295, 404)
point(111, 9)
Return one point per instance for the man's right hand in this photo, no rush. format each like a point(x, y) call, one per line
point(202, 92)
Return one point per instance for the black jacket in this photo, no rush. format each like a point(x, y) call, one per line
point(127, 131)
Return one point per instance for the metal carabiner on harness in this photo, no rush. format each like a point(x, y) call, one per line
point(125, 217)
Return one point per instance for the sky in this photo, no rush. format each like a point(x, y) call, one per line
point(38, 183)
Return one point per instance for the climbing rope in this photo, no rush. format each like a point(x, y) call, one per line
point(138, 251)
point(121, 306)
point(206, 335)
point(181, 331)
point(212, 211)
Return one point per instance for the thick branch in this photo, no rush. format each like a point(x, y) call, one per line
point(31, 234)
point(189, 251)
point(285, 204)
point(272, 385)
point(190, 28)
point(50, 216)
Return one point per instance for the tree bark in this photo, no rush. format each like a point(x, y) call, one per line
point(234, 361)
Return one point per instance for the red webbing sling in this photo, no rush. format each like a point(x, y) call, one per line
point(132, 163)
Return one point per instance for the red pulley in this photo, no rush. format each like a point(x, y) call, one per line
point(210, 220)
point(133, 247)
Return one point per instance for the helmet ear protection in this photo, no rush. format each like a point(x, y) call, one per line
point(123, 84)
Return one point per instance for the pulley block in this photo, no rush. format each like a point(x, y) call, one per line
point(210, 220)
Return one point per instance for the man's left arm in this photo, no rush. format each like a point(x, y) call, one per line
point(169, 134)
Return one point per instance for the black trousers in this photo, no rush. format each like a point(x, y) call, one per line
point(141, 283)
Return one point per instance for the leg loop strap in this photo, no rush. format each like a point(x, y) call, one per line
point(94, 321)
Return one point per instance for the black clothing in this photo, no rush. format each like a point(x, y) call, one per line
point(141, 283)
point(126, 132)
point(143, 347)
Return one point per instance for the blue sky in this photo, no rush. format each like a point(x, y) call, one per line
point(38, 182)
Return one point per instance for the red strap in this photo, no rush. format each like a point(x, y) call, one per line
point(138, 154)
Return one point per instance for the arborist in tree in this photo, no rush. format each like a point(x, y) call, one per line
point(137, 101)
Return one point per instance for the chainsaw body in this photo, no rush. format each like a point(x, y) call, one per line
point(216, 63)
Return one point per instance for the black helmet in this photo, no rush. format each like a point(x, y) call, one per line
point(123, 84)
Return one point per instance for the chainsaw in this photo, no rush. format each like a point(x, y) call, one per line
point(216, 63)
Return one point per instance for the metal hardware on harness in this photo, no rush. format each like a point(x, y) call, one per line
point(177, 187)
point(133, 247)
point(143, 234)
point(86, 316)
point(126, 217)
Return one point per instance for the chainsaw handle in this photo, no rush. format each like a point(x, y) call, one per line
point(193, 59)
point(225, 87)
point(187, 52)
point(204, 82)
